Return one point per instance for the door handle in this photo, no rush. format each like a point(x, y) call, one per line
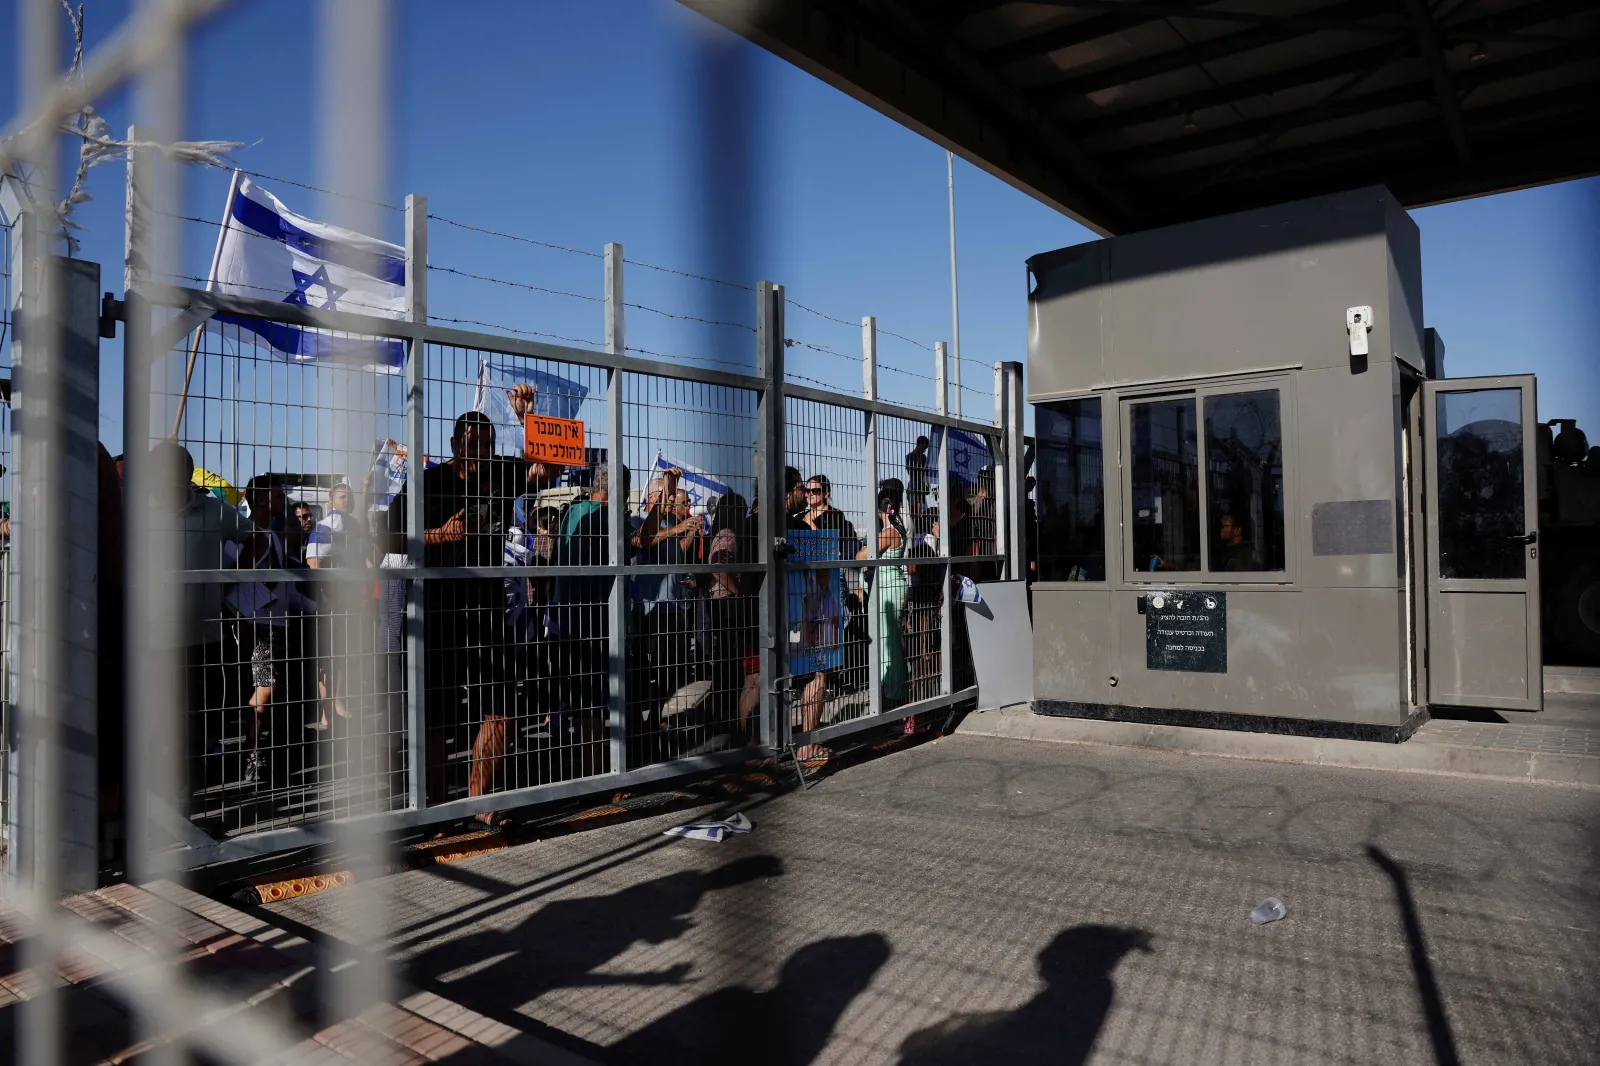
point(1526, 538)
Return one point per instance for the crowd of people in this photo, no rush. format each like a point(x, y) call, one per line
point(524, 655)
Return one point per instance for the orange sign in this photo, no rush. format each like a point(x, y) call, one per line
point(553, 440)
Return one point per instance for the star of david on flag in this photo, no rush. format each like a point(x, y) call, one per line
point(267, 252)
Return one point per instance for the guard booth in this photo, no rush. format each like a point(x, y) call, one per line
point(1260, 503)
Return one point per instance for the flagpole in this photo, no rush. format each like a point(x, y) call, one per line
point(955, 305)
point(211, 280)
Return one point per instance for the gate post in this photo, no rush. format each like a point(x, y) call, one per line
point(770, 455)
point(873, 588)
point(54, 835)
point(616, 520)
point(416, 422)
point(1015, 480)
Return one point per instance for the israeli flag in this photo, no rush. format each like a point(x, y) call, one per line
point(969, 454)
point(267, 252)
point(557, 397)
point(704, 489)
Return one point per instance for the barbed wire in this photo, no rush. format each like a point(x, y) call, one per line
point(315, 188)
point(513, 329)
point(907, 373)
point(688, 274)
point(857, 325)
point(265, 288)
point(790, 342)
point(515, 284)
point(820, 314)
point(689, 318)
point(696, 358)
point(788, 374)
point(515, 237)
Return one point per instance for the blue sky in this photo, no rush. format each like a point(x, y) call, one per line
point(573, 123)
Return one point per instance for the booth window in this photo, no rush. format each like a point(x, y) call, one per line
point(1481, 519)
point(1071, 494)
point(1164, 453)
point(1244, 482)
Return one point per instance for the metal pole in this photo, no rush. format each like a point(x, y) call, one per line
point(55, 404)
point(1002, 493)
point(1015, 502)
point(416, 449)
point(769, 511)
point(946, 537)
point(869, 390)
point(955, 301)
point(155, 688)
point(39, 566)
point(616, 522)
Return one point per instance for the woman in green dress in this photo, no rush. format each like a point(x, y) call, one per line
point(893, 586)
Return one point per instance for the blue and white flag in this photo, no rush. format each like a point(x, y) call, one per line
point(969, 453)
point(557, 397)
point(267, 252)
point(704, 489)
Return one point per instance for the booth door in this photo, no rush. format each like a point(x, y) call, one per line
point(1483, 552)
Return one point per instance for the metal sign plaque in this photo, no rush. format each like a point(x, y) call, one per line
point(1186, 630)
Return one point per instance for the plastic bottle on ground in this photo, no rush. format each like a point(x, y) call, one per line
point(1268, 910)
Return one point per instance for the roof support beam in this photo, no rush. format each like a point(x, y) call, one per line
point(1118, 16)
point(1439, 71)
point(1418, 91)
point(1321, 70)
point(1231, 44)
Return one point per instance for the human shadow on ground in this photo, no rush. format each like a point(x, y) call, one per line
point(786, 1026)
point(1058, 1026)
point(1439, 1032)
point(561, 944)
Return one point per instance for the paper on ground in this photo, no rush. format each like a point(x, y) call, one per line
point(712, 831)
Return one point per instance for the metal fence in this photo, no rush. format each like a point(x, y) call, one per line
point(476, 642)
point(550, 635)
point(6, 743)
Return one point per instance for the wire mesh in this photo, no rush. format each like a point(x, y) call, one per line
point(830, 657)
point(5, 611)
point(293, 679)
point(516, 658)
point(693, 632)
point(6, 229)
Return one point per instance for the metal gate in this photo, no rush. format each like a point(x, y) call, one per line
point(567, 646)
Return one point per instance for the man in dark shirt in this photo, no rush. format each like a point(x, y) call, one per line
point(466, 512)
point(917, 476)
point(819, 513)
point(1232, 553)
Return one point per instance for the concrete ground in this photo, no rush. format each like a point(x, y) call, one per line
point(982, 900)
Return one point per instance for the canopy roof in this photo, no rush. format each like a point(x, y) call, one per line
point(1128, 114)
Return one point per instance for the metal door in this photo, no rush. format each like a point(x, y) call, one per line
point(1483, 554)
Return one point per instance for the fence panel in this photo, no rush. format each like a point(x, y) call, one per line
point(293, 678)
point(298, 683)
point(6, 231)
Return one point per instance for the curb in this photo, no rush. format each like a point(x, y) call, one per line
point(1417, 755)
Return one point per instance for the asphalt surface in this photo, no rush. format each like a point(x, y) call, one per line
point(992, 901)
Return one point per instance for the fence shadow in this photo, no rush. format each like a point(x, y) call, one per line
point(1061, 1022)
point(787, 1026)
point(562, 943)
point(1439, 1032)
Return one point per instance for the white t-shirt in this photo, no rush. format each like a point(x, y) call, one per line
point(329, 540)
